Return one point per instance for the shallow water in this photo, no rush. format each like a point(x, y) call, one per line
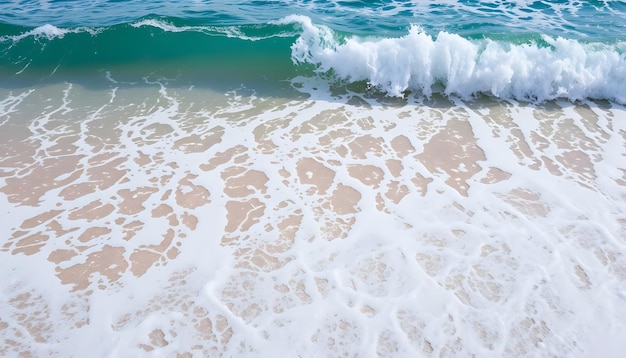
point(158, 219)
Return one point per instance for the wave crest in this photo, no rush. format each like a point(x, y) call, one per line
point(48, 32)
point(560, 68)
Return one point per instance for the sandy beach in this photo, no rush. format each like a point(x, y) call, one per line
point(182, 222)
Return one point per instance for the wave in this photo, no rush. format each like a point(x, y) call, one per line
point(536, 68)
point(168, 46)
point(449, 63)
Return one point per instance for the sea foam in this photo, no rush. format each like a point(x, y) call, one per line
point(558, 68)
point(48, 32)
point(168, 221)
point(238, 32)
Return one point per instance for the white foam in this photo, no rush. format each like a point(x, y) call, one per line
point(10, 103)
point(49, 32)
point(486, 250)
point(418, 61)
point(229, 31)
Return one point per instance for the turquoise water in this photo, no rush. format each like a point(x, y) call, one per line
point(601, 20)
point(529, 50)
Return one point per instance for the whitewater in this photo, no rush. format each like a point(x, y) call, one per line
point(537, 71)
point(312, 178)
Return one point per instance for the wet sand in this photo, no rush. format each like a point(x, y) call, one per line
point(182, 222)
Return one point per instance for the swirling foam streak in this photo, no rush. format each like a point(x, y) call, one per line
point(49, 32)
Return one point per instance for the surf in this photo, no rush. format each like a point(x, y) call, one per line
point(453, 65)
point(535, 68)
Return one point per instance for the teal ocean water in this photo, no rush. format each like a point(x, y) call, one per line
point(532, 50)
point(312, 178)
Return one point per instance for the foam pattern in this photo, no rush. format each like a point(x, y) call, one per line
point(155, 219)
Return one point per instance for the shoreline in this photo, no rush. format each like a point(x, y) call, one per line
point(188, 221)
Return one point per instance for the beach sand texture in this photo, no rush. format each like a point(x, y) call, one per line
point(147, 219)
